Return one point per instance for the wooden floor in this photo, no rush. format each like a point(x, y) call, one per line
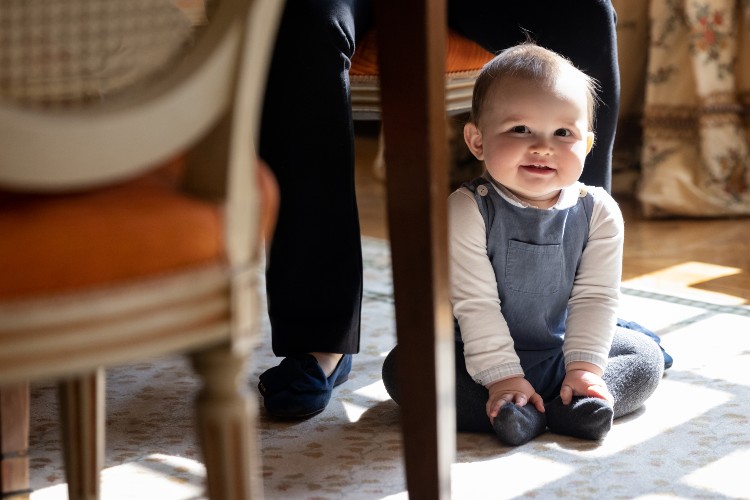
point(700, 259)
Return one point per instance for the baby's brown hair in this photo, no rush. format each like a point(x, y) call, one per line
point(529, 61)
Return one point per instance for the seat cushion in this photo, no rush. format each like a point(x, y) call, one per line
point(62, 242)
point(461, 55)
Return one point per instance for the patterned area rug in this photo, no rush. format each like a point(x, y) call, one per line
point(691, 440)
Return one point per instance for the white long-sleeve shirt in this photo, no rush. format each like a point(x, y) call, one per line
point(592, 312)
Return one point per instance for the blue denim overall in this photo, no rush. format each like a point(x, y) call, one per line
point(535, 254)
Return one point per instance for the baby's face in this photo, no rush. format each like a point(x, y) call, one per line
point(533, 139)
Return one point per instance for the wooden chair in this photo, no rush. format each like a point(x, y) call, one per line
point(114, 245)
point(463, 61)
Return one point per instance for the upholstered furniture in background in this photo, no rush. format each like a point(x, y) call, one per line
point(463, 61)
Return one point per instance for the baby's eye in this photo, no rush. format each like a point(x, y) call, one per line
point(563, 132)
point(520, 129)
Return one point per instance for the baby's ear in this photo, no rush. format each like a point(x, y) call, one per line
point(473, 138)
point(589, 142)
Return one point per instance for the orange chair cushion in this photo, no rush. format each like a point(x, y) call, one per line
point(461, 55)
point(62, 242)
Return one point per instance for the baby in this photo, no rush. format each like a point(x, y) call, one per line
point(536, 261)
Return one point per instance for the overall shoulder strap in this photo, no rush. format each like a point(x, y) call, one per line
point(482, 189)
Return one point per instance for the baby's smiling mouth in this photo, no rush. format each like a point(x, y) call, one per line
point(540, 168)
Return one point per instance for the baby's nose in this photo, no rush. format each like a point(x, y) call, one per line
point(541, 147)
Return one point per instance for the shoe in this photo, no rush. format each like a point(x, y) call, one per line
point(298, 388)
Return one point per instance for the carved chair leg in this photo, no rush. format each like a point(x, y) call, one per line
point(14, 442)
point(226, 426)
point(82, 416)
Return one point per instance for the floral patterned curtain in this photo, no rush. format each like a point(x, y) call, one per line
point(695, 158)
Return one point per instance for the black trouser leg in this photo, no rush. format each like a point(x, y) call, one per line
point(314, 276)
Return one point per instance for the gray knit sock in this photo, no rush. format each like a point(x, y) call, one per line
point(584, 417)
point(634, 370)
point(516, 425)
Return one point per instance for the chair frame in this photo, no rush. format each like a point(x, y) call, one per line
point(210, 311)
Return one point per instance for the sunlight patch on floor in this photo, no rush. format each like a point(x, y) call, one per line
point(718, 348)
point(660, 496)
point(375, 391)
point(56, 492)
point(353, 411)
point(372, 392)
point(669, 403)
point(656, 316)
point(726, 476)
point(528, 472)
point(398, 496)
point(155, 476)
point(679, 280)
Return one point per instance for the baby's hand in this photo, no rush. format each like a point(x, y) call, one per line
point(580, 382)
point(515, 390)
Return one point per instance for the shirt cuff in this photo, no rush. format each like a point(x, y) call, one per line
point(587, 357)
point(497, 373)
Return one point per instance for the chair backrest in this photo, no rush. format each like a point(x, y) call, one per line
point(93, 91)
